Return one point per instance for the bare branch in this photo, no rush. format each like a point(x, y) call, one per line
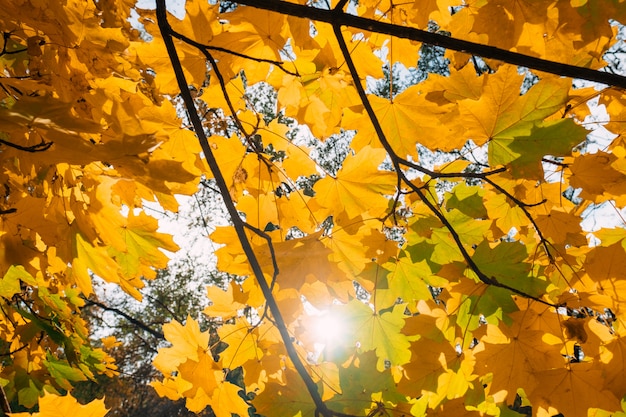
point(396, 163)
point(40, 147)
point(131, 319)
point(338, 17)
point(166, 33)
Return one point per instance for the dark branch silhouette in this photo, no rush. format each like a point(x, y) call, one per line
point(40, 147)
point(338, 17)
point(239, 225)
point(128, 317)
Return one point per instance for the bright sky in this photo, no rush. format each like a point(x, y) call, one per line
point(175, 7)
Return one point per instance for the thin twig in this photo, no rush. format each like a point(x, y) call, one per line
point(6, 407)
point(205, 48)
point(434, 174)
point(40, 147)
point(523, 206)
point(131, 319)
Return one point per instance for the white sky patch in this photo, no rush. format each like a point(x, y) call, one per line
point(195, 246)
point(175, 7)
point(602, 215)
point(600, 138)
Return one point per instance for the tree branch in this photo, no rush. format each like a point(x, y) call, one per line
point(6, 407)
point(166, 33)
point(131, 319)
point(205, 48)
point(396, 161)
point(40, 147)
point(523, 206)
point(338, 17)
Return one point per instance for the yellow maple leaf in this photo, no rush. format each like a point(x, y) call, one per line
point(514, 356)
point(242, 340)
point(222, 302)
point(202, 377)
point(52, 405)
point(187, 340)
point(501, 109)
point(213, 96)
point(359, 185)
point(141, 252)
point(154, 56)
point(571, 389)
point(200, 22)
point(253, 33)
point(596, 176)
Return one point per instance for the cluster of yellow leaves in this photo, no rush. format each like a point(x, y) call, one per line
point(51, 405)
point(199, 378)
point(462, 290)
point(432, 336)
point(85, 139)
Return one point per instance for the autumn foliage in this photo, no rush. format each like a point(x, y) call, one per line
point(469, 287)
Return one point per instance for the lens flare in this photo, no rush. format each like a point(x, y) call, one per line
point(326, 331)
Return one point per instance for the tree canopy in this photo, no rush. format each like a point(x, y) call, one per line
point(467, 286)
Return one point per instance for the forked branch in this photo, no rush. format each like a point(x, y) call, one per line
point(397, 162)
point(239, 225)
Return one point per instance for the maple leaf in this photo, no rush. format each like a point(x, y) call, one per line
point(515, 355)
point(371, 331)
point(407, 280)
point(153, 56)
point(348, 192)
point(613, 357)
point(54, 405)
point(226, 400)
point(242, 343)
point(555, 138)
point(363, 382)
point(286, 398)
point(355, 244)
point(572, 389)
point(409, 110)
point(201, 377)
point(506, 263)
point(302, 260)
point(223, 303)
point(595, 175)
point(187, 340)
point(10, 283)
point(430, 353)
point(253, 35)
point(517, 19)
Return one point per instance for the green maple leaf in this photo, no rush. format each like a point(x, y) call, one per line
point(523, 149)
point(506, 263)
point(381, 332)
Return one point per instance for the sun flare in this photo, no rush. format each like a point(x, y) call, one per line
point(327, 328)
